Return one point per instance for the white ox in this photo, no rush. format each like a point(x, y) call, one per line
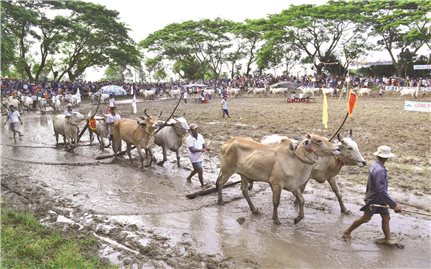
point(412, 91)
point(233, 92)
point(67, 126)
point(363, 91)
point(174, 93)
point(148, 93)
point(27, 102)
point(308, 91)
point(282, 166)
point(327, 168)
point(329, 91)
point(104, 97)
point(256, 91)
point(101, 131)
point(171, 137)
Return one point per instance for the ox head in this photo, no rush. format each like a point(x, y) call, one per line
point(180, 125)
point(320, 145)
point(349, 151)
point(150, 123)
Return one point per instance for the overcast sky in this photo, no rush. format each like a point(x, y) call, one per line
point(145, 17)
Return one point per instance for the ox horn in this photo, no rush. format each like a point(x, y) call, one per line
point(145, 113)
point(160, 114)
point(350, 133)
point(340, 138)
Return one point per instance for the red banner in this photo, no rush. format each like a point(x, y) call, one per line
point(351, 102)
point(92, 124)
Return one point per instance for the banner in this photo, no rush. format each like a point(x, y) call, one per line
point(351, 102)
point(417, 106)
point(325, 112)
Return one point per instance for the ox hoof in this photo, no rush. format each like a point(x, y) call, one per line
point(160, 163)
point(277, 222)
point(346, 212)
point(255, 211)
point(220, 202)
point(297, 219)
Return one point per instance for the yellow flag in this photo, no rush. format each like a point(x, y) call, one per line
point(325, 112)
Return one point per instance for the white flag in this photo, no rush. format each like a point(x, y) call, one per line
point(131, 92)
point(135, 109)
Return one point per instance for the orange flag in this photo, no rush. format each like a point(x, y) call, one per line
point(351, 102)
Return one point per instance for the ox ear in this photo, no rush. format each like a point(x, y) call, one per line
point(291, 147)
point(350, 133)
point(308, 136)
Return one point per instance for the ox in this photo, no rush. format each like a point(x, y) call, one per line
point(174, 93)
point(135, 132)
point(364, 91)
point(101, 131)
point(67, 126)
point(261, 91)
point(413, 91)
point(327, 168)
point(275, 91)
point(308, 91)
point(171, 137)
point(233, 92)
point(330, 91)
point(148, 93)
point(27, 102)
point(282, 166)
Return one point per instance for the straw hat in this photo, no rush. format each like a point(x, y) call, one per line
point(384, 152)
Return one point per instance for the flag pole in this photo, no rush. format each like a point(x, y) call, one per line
point(347, 114)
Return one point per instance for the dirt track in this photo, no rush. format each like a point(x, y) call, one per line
point(143, 218)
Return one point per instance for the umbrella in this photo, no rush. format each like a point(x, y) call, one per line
point(286, 84)
point(114, 89)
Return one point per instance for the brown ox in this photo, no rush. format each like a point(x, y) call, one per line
point(282, 166)
point(135, 132)
point(327, 168)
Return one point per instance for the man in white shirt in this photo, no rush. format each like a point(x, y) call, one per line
point(224, 107)
point(110, 119)
point(14, 118)
point(196, 145)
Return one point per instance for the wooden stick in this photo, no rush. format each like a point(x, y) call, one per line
point(209, 191)
point(408, 211)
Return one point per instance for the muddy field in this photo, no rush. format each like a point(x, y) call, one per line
point(144, 220)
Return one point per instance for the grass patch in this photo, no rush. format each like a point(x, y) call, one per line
point(25, 243)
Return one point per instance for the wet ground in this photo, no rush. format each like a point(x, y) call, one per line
point(144, 220)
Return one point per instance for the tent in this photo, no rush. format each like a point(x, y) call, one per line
point(114, 89)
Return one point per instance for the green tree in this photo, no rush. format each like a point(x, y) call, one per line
point(90, 35)
point(402, 27)
point(317, 31)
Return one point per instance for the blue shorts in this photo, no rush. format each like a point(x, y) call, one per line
point(197, 165)
point(371, 210)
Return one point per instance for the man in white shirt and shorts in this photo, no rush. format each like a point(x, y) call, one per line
point(196, 145)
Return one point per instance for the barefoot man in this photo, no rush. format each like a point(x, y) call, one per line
point(377, 199)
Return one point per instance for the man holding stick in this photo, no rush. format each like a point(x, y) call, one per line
point(377, 199)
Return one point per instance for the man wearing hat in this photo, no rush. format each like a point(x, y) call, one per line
point(377, 199)
point(196, 145)
point(14, 118)
point(110, 119)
